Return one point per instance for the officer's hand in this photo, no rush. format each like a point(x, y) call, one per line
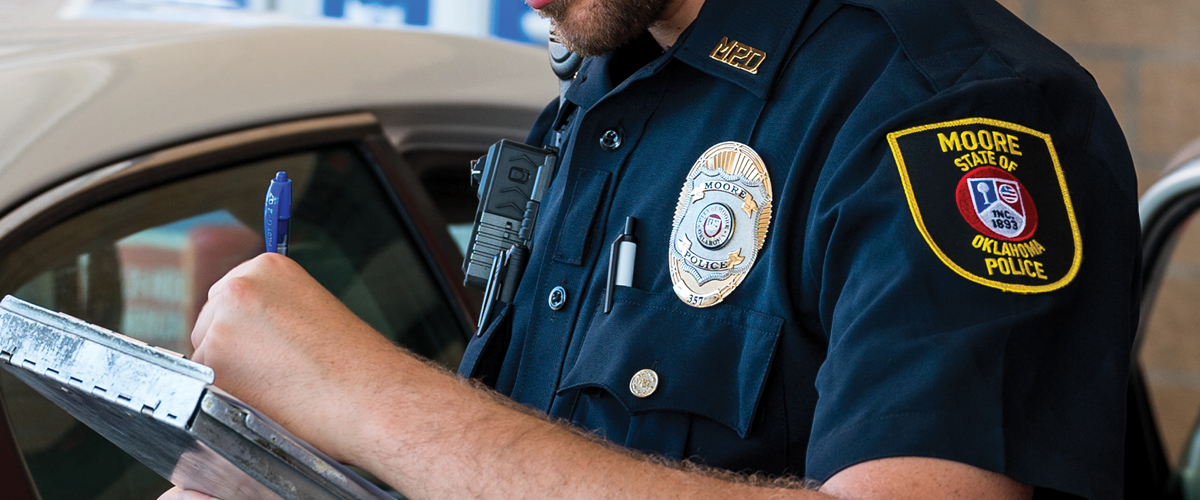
point(282, 343)
point(179, 494)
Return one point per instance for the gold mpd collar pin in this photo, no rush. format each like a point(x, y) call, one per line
point(721, 221)
point(738, 55)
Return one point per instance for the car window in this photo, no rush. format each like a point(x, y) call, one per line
point(445, 175)
point(142, 265)
point(1170, 350)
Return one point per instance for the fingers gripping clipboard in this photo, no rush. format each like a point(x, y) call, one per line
point(163, 410)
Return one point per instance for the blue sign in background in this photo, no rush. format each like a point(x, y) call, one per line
point(506, 19)
point(416, 12)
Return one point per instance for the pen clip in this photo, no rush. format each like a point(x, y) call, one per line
point(613, 255)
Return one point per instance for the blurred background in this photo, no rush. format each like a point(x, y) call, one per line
point(506, 19)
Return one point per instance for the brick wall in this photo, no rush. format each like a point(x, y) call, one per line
point(1145, 54)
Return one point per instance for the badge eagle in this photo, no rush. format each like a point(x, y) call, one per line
point(991, 200)
point(721, 221)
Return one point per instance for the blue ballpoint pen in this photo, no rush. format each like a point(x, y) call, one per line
point(276, 213)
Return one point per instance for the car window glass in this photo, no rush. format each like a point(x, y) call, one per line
point(1170, 351)
point(142, 265)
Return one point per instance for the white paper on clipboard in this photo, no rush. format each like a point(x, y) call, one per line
point(163, 410)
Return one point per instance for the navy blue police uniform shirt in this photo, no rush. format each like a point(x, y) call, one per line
point(950, 261)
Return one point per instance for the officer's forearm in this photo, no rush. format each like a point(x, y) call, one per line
point(439, 437)
point(433, 435)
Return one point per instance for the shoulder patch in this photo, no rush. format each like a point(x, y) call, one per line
point(991, 201)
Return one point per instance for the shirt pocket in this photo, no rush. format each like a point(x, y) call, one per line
point(709, 362)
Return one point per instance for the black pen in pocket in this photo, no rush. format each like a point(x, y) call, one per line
point(621, 259)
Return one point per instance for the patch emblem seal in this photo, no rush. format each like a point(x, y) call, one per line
point(720, 224)
point(991, 200)
point(996, 204)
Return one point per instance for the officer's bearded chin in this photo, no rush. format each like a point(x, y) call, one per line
point(593, 27)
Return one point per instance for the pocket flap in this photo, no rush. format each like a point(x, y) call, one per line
point(709, 362)
point(576, 225)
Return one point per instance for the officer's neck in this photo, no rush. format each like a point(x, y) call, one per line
point(678, 15)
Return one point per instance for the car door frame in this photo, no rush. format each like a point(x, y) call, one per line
point(1163, 208)
point(363, 130)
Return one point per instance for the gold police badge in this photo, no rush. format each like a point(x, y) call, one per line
point(720, 223)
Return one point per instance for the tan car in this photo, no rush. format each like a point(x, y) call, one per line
point(135, 157)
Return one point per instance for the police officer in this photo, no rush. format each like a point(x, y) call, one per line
point(891, 246)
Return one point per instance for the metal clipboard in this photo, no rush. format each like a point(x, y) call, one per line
point(163, 410)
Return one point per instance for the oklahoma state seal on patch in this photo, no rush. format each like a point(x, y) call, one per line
point(991, 200)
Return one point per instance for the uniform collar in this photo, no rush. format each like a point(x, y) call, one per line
point(729, 38)
point(744, 42)
point(600, 75)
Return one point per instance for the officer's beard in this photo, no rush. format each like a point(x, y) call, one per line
point(593, 27)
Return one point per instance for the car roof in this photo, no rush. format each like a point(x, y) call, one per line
point(77, 95)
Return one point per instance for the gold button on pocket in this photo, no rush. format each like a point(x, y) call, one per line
point(643, 383)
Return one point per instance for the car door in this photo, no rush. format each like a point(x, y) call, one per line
point(134, 247)
point(1163, 440)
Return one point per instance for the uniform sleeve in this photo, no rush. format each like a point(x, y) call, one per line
point(976, 271)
